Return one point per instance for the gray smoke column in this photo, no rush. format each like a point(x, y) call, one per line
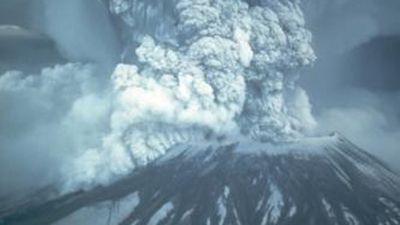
point(196, 68)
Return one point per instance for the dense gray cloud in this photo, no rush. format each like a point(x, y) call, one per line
point(221, 69)
point(233, 73)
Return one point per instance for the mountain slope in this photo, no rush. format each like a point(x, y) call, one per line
point(317, 181)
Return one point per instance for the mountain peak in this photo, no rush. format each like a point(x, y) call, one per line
point(324, 180)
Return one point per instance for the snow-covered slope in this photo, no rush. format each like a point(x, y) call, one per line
point(316, 181)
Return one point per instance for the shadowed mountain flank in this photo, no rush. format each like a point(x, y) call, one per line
point(321, 181)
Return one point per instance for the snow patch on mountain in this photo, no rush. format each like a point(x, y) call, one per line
point(161, 214)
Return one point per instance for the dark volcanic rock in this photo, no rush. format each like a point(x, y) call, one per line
point(322, 181)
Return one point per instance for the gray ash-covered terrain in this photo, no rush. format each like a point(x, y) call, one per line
point(321, 181)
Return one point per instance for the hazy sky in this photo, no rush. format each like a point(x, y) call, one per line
point(355, 84)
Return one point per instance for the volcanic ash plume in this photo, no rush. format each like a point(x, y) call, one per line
point(201, 67)
point(257, 46)
point(197, 69)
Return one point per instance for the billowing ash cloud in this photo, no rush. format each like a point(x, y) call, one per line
point(204, 67)
point(193, 69)
point(263, 44)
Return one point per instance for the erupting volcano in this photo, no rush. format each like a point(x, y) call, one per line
point(201, 121)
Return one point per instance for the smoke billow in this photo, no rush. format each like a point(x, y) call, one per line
point(192, 70)
point(45, 120)
point(224, 68)
point(48, 117)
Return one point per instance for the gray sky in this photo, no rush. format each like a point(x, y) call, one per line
point(15, 12)
point(355, 84)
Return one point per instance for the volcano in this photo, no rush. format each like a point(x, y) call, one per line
point(318, 181)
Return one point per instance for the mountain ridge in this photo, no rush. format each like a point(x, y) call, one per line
point(335, 183)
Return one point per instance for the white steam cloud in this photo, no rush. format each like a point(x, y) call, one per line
point(46, 119)
point(196, 69)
